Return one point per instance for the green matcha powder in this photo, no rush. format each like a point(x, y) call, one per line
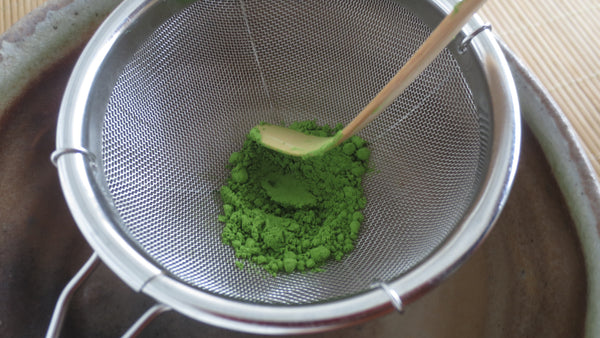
point(287, 214)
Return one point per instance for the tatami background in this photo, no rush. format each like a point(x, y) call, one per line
point(13, 10)
point(558, 40)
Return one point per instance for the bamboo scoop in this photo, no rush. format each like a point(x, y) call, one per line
point(295, 143)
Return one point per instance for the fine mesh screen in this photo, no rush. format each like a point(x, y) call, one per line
point(188, 96)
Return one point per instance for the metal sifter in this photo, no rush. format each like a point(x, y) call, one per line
point(166, 90)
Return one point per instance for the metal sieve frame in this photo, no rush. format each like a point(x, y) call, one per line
point(91, 209)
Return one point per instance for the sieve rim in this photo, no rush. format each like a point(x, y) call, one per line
point(85, 200)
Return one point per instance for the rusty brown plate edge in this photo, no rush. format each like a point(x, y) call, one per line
point(573, 171)
point(53, 31)
point(42, 38)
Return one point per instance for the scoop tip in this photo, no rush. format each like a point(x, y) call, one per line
point(292, 142)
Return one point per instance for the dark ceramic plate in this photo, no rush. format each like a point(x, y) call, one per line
point(536, 275)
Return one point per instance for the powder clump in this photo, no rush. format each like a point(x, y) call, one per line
point(287, 214)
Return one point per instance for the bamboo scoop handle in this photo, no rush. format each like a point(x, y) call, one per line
point(445, 32)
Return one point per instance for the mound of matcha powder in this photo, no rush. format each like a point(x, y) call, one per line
point(285, 213)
